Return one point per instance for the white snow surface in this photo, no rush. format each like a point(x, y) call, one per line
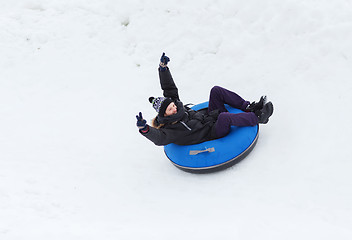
point(74, 74)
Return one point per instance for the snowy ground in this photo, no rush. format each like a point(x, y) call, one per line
point(73, 75)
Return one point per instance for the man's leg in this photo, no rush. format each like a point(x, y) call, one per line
point(220, 96)
point(226, 120)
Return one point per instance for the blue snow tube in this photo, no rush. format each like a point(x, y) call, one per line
point(216, 154)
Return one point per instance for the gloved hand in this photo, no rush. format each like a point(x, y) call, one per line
point(163, 62)
point(141, 123)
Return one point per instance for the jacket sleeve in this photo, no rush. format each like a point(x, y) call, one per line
point(162, 137)
point(168, 85)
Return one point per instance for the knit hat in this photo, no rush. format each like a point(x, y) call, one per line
point(160, 104)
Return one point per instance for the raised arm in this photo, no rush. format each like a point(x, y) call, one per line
point(166, 81)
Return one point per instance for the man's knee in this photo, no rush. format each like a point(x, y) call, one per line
point(215, 90)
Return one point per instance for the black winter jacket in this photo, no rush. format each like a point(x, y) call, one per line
point(189, 127)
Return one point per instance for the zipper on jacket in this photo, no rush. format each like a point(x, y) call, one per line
point(185, 125)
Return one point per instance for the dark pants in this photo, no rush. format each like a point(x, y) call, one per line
point(220, 96)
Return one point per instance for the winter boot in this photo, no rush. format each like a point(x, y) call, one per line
point(264, 114)
point(255, 106)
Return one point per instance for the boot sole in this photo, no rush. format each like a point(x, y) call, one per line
point(270, 109)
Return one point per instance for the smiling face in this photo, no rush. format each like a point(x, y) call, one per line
point(171, 109)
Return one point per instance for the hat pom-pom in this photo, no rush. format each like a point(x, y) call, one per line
point(151, 99)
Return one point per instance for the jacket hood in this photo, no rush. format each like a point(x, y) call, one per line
point(173, 118)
